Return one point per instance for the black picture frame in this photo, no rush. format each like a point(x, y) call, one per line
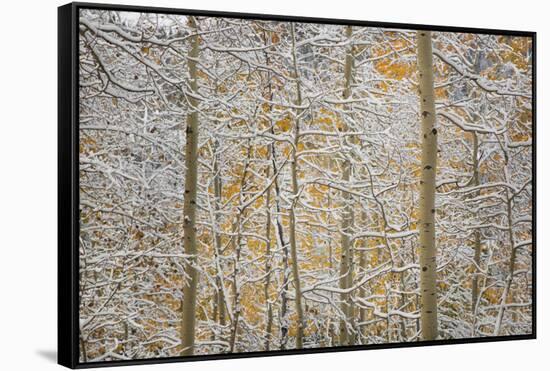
point(68, 187)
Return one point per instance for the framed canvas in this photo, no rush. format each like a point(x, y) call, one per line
point(241, 185)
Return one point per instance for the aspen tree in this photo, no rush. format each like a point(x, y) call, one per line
point(220, 300)
point(346, 263)
point(512, 260)
point(477, 237)
point(282, 245)
point(292, 212)
point(363, 312)
point(428, 249)
point(304, 190)
point(237, 243)
point(268, 309)
point(187, 330)
point(268, 252)
point(220, 304)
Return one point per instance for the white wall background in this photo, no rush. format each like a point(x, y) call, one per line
point(28, 183)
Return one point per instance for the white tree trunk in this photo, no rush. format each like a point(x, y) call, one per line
point(428, 249)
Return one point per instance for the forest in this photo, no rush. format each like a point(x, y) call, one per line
point(258, 185)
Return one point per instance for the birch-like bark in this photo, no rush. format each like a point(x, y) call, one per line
point(428, 249)
point(187, 329)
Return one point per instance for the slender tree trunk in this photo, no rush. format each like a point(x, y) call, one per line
point(279, 235)
point(362, 290)
point(346, 262)
point(268, 307)
point(329, 220)
point(187, 330)
point(477, 236)
point(477, 232)
point(428, 249)
point(237, 260)
point(294, 250)
point(220, 300)
point(235, 285)
point(292, 212)
point(332, 319)
point(283, 246)
point(388, 308)
point(268, 253)
point(402, 307)
point(512, 261)
point(511, 270)
point(83, 349)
